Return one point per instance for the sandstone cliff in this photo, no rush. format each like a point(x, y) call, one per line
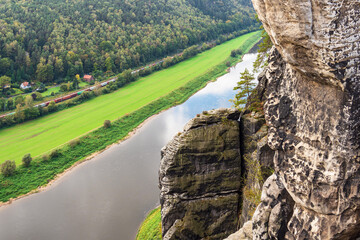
point(313, 113)
point(311, 90)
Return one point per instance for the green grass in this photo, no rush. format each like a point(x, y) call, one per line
point(57, 89)
point(150, 229)
point(50, 90)
point(43, 134)
point(17, 91)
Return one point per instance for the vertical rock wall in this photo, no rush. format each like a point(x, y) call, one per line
point(313, 113)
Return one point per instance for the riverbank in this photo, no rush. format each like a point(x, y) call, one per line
point(150, 229)
point(41, 172)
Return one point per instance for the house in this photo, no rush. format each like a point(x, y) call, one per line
point(88, 78)
point(25, 85)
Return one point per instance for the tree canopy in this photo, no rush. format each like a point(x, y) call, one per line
point(53, 40)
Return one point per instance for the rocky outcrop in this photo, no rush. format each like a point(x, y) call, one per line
point(313, 113)
point(200, 178)
point(211, 175)
point(272, 215)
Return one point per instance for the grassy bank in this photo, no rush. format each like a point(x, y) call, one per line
point(133, 110)
point(150, 229)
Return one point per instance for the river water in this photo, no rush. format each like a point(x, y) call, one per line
point(108, 197)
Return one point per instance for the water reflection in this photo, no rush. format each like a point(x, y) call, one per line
point(108, 197)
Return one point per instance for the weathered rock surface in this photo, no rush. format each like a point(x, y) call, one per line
point(245, 233)
point(313, 113)
point(272, 215)
point(200, 175)
point(257, 162)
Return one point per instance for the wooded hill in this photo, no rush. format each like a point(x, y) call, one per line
point(53, 40)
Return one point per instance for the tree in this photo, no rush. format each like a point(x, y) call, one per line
point(64, 88)
point(263, 52)
point(52, 106)
point(5, 64)
point(8, 168)
point(37, 96)
point(75, 83)
point(245, 87)
point(109, 64)
point(19, 100)
point(107, 123)
point(40, 87)
point(29, 101)
point(4, 81)
point(10, 104)
point(105, 46)
point(27, 160)
point(44, 72)
point(2, 104)
point(19, 113)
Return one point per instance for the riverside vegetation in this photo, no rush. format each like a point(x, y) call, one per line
point(150, 229)
point(43, 169)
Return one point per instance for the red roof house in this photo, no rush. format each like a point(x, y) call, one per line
point(25, 85)
point(88, 78)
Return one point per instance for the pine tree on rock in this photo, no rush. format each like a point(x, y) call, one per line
point(245, 87)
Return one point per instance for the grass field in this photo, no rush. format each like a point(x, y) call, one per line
point(150, 229)
point(43, 134)
point(57, 89)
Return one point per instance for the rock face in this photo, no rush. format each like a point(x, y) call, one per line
point(200, 175)
point(313, 113)
point(257, 162)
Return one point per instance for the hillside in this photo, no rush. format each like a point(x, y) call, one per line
point(53, 40)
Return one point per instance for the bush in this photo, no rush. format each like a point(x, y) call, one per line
point(28, 90)
point(8, 168)
point(228, 63)
point(52, 106)
point(52, 94)
point(74, 143)
point(55, 153)
point(107, 124)
point(64, 88)
point(233, 53)
point(27, 160)
point(45, 157)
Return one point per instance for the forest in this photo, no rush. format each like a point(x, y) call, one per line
point(50, 41)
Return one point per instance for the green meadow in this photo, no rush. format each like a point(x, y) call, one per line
point(150, 229)
point(44, 134)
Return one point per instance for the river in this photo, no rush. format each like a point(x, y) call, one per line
point(108, 197)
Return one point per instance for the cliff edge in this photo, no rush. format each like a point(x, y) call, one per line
point(311, 140)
